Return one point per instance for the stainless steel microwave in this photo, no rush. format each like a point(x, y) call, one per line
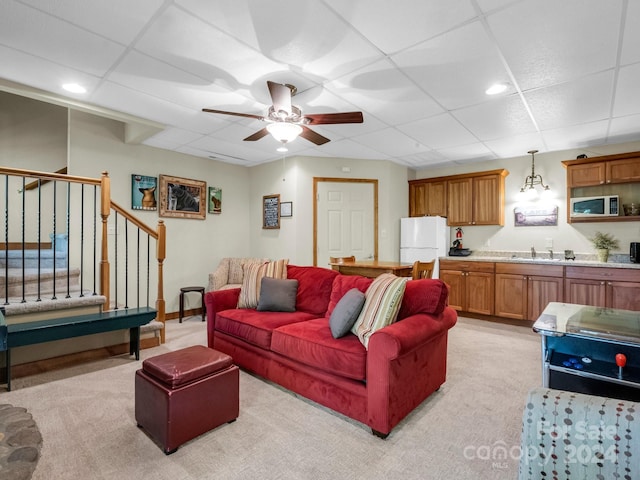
point(603, 206)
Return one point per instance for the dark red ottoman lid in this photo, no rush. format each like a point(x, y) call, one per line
point(186, 365)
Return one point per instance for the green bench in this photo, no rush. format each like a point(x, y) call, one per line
point(29, 333)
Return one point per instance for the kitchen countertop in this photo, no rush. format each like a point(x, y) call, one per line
point(542, 259)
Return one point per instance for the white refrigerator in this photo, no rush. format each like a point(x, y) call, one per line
point(424, 239)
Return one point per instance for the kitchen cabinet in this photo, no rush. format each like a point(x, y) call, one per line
point(606, 175)
point(466, 199)
point(476, 200)
point(427, 198)
point(522, 291)
point(603, 287)
point(471, 285)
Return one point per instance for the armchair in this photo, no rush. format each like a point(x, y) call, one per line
point(229, 273)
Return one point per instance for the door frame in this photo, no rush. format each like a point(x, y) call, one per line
point(316, 181)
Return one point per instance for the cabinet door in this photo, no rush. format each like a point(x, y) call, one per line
point(586, 175)
point(623, 171)
point(436, 195)
point(417, 199)
point(455, 280)
point(459, 197)
point(585, 292)
point(480, 292)
point(541, 291)
point(487, 207)
point(511, 296)
point(623, 295)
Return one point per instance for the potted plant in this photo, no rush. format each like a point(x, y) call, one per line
point(603, 242)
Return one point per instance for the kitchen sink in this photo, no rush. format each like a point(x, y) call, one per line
point(538, 259)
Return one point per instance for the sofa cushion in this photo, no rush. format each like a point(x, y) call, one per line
point(236, 267)
point(424, 296)
point(381, 306)
point(312, 344)
point(314, 288)
point(342, 284)
point(256, 327)
point(253, 273)
point(346, 312)
point(277, 295)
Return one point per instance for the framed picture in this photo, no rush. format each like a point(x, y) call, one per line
point(143, 192)
point(182, 197)
point(535, 216)
point(286, 209)
point(215, 200)
point(271, 211)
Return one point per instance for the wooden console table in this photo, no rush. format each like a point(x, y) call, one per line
point(373, 268)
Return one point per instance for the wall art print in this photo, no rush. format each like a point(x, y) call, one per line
point(215, 200)
point(144, 192)
point(536, 216)
point(182, 197)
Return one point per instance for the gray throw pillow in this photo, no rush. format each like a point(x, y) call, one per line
point(277, 295)
point(346, 312)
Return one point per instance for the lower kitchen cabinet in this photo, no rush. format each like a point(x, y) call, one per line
point(523, 291)
point(603, 287)
point(471, 285)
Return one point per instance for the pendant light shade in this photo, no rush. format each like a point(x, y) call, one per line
point(284, 132)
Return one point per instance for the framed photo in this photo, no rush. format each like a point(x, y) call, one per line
point(215, 200)
point(286, 209)
point(271, 211)
point(182, 197)
point(143, 192)
point(536, 216)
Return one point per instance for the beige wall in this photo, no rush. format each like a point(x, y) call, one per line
point(564, 235)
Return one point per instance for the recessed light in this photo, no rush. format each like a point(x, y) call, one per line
point(74, 88)
point(496, 89)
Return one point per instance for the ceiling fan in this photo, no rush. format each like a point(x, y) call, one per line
point(286, 121)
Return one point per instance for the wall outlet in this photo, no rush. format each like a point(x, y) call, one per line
point(548, 242)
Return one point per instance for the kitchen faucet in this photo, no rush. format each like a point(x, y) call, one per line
point(551, 253)
point(533, 252)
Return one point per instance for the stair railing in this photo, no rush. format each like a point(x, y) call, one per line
point(26, 218)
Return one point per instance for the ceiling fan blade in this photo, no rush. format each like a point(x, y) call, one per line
point(333, 118)
point(280, 96)
point(312, 136)
point(248, 115)
point(257, 136)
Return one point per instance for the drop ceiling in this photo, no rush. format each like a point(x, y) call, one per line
point(417, 69)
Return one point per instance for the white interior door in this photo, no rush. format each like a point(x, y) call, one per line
point(345, 221)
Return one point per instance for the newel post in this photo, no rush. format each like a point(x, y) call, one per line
point(161, 255)
point(105, 210)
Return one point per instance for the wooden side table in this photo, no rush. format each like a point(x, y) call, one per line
point(184, 290)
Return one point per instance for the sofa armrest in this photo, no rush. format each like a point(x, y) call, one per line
point(217, 301)
point(406, 362)
point(220, 276)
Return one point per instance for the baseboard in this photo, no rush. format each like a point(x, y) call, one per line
point(187, 313)
point(72, 359)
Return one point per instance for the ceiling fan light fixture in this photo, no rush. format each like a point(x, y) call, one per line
point(284, 132)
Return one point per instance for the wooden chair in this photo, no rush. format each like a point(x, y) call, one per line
point(340, 260)
point(422, 269)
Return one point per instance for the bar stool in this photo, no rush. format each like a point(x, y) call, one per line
point(184, 290)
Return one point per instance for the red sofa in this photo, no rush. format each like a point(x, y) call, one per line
point(405, 361)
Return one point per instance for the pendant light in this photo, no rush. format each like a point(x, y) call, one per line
point(532, 180)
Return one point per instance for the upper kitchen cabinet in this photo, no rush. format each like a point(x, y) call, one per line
point(476, 199)
point(427, 197)
point(606, 175)
point(466, 199)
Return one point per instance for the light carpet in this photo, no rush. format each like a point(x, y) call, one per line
point(86, 417)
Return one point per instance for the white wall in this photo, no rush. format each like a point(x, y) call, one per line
point(565, 236)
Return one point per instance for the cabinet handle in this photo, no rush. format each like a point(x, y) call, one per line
point(609, 284)
point(601, 283)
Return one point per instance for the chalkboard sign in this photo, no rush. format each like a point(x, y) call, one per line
point(271, 211)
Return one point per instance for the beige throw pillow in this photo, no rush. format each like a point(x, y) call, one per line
point(253, 274)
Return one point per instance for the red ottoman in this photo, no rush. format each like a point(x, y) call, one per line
point(183, 394)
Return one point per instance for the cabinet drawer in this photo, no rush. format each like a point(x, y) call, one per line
point(528, 269)
point(466, 266)
point(604, 274)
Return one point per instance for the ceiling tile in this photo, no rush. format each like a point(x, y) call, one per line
point(583, 135)
point(516, 145)
point(630, 50)
point(558, 41)
point(472, 153)
point(455, 68)
point(625, 129)
point(581, 101)
point(627, 100)
point(440, 131)
point(391, 142)
point(391, 27)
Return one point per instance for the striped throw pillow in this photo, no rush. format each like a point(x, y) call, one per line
point(253, 273)
point(382, 303)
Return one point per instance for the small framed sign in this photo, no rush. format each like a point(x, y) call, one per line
point(271, 211)
point(286, 209)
